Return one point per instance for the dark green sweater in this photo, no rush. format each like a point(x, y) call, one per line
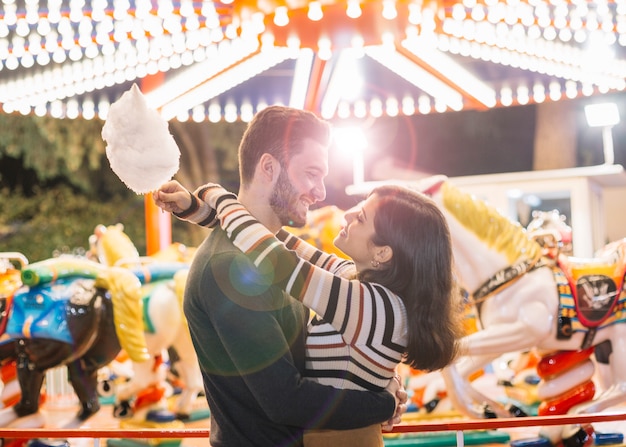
point(250, 337)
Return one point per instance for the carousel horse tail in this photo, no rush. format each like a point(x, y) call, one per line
point(125, 290)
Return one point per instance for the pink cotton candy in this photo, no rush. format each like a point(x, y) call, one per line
point(140, 148)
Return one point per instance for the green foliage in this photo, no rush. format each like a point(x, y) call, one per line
point(53, 148)
point(56, 184)
point(60, 221)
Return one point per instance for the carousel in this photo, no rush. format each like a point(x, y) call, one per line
point(96, 348)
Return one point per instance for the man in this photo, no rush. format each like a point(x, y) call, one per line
point(249, 336)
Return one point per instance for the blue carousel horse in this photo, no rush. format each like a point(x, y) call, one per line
point(64, 315)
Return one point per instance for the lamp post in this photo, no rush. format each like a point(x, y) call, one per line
point(605, 115)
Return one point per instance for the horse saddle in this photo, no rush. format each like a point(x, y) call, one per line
point(40, 311)
point(595, 285)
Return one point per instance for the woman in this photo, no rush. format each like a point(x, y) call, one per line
point(395, 301)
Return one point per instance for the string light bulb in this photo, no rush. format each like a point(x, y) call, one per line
point(354, 9)
point(281, 18)
point(389, 9)
point(315, 12)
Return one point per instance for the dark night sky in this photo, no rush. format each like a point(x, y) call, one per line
point(453, 143)
point(469, 143)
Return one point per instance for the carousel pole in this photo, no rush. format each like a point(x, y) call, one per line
point(158, 223)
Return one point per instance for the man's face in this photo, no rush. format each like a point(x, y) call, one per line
point(300, 184)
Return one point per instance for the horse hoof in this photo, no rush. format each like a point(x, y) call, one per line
point(489, 413)
point(183, 417)
point(122, 410)
point(88, 410)
point(582, 437)
point(516, 411)
point(431, 405)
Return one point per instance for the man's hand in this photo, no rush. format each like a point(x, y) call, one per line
point(399, 393)
point(172, 197)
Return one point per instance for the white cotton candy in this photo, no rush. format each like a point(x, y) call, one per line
point(140, 148)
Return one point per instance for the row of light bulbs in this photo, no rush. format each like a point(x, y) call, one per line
point(129, 63)
point(107, 46)
point(376, 107)
point(79, 34)
point(26, 35)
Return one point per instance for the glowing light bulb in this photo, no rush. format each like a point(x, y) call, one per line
point(354, 9)
point(280, 16)
point(315, 11)
point(324, 49)
point(389, 9)
point(506, 96)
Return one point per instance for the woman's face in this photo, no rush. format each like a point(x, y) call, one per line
point(355, 239)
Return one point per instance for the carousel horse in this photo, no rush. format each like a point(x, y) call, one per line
point(163, 277)
point(11, 264)
point(551, 231)
point(68, 312)
point(563, 308)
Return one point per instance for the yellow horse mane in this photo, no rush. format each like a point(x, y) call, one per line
point(125, 290)
point(114, 245)
point(116, 248)
point(111, 246)
point(489, 225)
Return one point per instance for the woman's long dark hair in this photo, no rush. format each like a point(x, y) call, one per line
point(420, 272)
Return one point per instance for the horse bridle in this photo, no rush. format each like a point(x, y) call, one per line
point(504, 277)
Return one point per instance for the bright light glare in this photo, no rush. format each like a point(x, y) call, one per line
point(352, 142)
point(349, 139)
point(602, 115)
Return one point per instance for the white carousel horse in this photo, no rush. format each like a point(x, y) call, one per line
point(551, 231)
point(164, 323)
point(526, 301)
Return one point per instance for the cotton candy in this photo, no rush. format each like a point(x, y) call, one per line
point(140, 148)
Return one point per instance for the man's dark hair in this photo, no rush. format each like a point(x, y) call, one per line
point(280, 131)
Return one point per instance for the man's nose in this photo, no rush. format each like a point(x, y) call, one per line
point(319, 192)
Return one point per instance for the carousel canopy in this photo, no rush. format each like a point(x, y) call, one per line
point(341, 58)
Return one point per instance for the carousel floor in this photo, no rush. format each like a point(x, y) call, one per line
point(55, 416)
point(491, 438)
point(62, 409)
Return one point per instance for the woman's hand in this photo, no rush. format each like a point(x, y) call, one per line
point(399, 393)
point(172, 197)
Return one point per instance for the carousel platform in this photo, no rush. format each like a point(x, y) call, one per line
point(448, 429)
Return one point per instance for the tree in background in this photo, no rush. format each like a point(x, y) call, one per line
point(56, 184)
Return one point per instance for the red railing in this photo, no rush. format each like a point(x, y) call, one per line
point(459, 426)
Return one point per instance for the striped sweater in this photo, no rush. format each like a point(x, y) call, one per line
point(359, 333)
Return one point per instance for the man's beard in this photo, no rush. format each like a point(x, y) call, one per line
point(284, 200)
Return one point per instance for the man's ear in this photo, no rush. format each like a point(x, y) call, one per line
point(269, 167)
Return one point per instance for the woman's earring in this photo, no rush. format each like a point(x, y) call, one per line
point(375, 263)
